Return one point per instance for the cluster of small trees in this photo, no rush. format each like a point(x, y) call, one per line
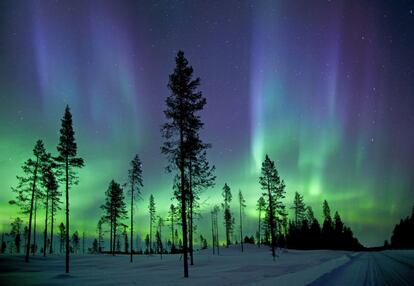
point(40, 183)
point(403, 233)
point(305, 231)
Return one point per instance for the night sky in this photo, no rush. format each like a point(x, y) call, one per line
point(326, 88)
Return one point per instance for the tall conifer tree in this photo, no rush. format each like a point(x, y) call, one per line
point(67, 160)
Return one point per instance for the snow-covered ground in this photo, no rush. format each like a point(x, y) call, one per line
point(253, 267)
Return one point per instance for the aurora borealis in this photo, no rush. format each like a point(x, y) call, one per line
point(324, 87)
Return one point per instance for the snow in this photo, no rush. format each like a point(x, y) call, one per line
point(252, 267)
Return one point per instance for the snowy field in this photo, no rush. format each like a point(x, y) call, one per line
point(253, 267)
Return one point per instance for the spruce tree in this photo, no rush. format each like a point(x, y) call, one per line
point(136, 184)
point(179, 132)
point(327, 227)
point(67, 161)
point(274, 189)
point(228, 218)
point(299, 208)
point(114, 210)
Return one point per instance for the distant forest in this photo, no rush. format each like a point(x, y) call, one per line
point(47, 178)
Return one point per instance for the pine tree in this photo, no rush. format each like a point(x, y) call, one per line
point(179, 132)
point(261, 207)
point(274, 189)
point(242, 205)
point(67, 161)
point(151, 209)
point(114, 209)
point(228, 219)
point(172, 213)
point(27, 190)
point(299, 208)
point(136, 184)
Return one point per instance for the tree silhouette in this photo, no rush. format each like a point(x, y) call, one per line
point(100, 234)
point(151, 210)
point(160, 224)
point(27, 189)
point(201, 176)
point(75, 242)
point(183, 124)
point(172, 213)
point(114, 209)
point(403, 233)
point(261, 207)
point(15, 233)
point(327, 227)
point(299, 208)
point(50, 185)
point(67, 161)
point(214, 229)
point(62, 236)
point(54, 197)
point(135, 182)
point(95, 246)
point(274, 191)
point(242, 205)
point(228, 218)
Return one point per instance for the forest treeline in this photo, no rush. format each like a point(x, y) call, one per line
point(48, 177)
point(403, 234)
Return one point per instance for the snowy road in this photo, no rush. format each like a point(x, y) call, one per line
point(253, 267)
point(373, 268)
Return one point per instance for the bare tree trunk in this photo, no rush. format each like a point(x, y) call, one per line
point(67, 216)
point(260, 240)
point(31, 211)
point(34, 228)
point(241, 227)
point(212, 234)
point(114, 239)
point(183, 206)
point(51, 229)
point(191, 215)
point(132, 220)
point(271, 217)
point(110, 235)
point(46, 215)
